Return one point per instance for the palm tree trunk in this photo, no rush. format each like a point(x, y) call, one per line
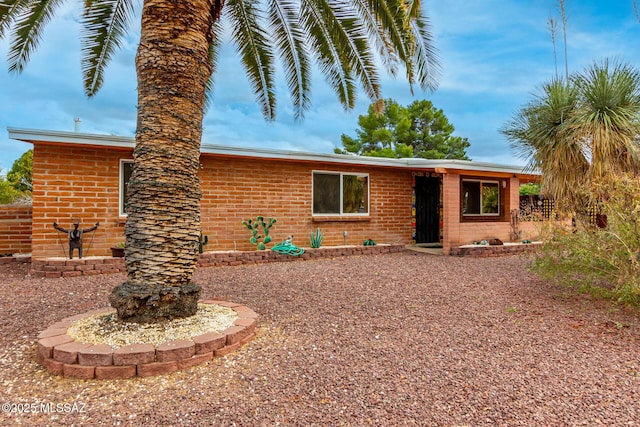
point(163, 222)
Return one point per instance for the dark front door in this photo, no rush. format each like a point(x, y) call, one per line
point(427, 209)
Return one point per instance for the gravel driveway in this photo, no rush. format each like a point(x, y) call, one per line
point(396, 339)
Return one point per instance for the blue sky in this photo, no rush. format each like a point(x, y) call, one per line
point(494, 55)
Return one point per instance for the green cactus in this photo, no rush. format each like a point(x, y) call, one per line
point(316, 238)
point(202, 241)
point(254, 227)
point(369, 242)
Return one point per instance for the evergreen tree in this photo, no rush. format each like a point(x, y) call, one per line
point(418, 130)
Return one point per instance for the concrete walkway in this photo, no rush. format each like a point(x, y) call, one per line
point(425, 249)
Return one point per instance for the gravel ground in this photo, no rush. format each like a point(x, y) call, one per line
point(397, 339)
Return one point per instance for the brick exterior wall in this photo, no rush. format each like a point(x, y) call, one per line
point(15, 229)
point(76, 183)
point(83, 183)
point(450, 211)
point(461, 232)
point(237, 189)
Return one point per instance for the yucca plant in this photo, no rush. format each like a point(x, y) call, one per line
point(316, 238)
point(578, 131)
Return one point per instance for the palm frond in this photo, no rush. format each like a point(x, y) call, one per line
point(289, 40)
point(516, 131)
point(379, 36)
point(351, 38)
point(425, 57)
point(214, 52)
point(253, 45)
point(333, 65)
point(390, 17)
point(29, 22)
point(422, 61)
point(9, 11)
point(105, 24)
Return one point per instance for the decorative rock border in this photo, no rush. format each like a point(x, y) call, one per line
point(54, 268)
point(495, 250)
point(61, 355)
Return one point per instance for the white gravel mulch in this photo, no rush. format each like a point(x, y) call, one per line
point(106, 329)
point(396, 339)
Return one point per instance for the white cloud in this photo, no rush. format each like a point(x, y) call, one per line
point(494, 56)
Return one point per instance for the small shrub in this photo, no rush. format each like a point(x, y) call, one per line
point(602, 261)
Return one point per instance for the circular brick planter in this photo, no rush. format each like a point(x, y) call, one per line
point(62, 355)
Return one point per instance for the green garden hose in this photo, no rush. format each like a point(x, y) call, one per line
point(287, 248)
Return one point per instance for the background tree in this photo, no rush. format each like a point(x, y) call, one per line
point(17, 184)
point(418, 130)
point(175, 62)
point(530, 189)
point(7, 192)
point(21, 173)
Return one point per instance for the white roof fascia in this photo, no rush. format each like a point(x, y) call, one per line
point(302, 156)
point(467, 165)
point(31, 135)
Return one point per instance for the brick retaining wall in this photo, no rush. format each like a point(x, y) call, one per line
point(60, 267)
point(493, 251)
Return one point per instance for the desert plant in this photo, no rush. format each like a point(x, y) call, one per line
point(202, 241)
point(255, 226)
point(369, 242)
point(602, 261)
point(316, 238)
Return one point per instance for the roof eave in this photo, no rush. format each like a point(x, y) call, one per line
point(77, 138)
point(35, 135)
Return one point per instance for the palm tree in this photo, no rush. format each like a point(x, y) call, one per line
point(175, 62)
point(577, 132)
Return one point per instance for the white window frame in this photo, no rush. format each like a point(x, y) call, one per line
point(342, 174)
point(481, 181)
point(121, 184)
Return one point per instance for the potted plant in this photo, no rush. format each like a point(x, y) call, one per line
point(117, 251)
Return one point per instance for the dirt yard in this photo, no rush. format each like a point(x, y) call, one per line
point(397, 339)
